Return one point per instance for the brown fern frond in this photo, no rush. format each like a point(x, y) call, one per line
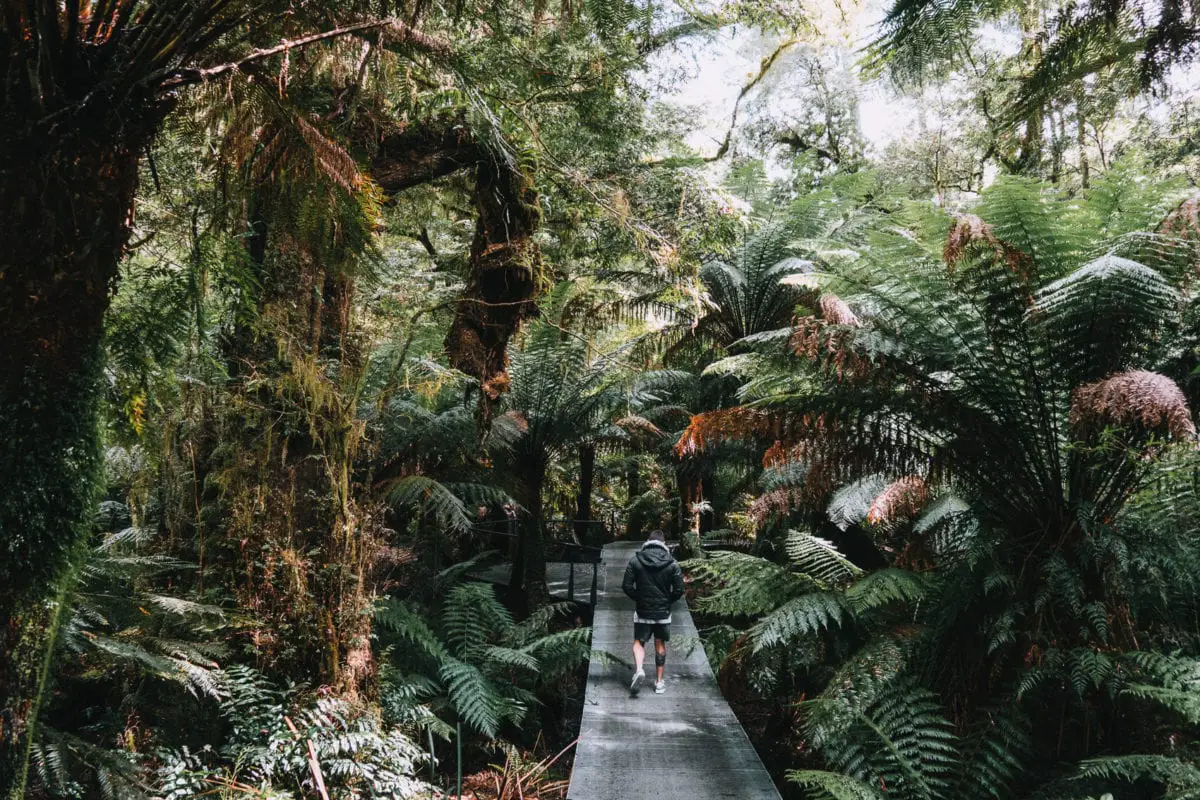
point(901, 500)
point(330, 158)
point(777, 455)
point(835, 311)
point(966, 231)
point(724, 425)
point(776, 503)
point(822, 340)
point(1135, 398)
point(810, 493)
point(969, 235)
point(634, 423)
point(1184, 220)
point(497, 385)
point(820, 455)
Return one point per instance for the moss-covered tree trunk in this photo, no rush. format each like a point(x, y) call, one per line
point(295, 523)
point(66, 204)
point(504, 279)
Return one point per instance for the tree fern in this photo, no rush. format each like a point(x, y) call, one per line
point(1022, 368)
point(743, 585)
point(474, 657)
point(886, 587)
point(889, 733)
point(832, 785)
point(1180, 779)
point(806, 615)
point(819, 559)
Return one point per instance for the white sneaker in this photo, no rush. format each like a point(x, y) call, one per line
point(660, 687)
point(638, 677)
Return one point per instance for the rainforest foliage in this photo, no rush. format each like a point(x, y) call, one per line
point(318, 316)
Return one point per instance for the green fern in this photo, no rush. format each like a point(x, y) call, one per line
point(994, 755)
point(741, 585)
point(889, 733)
point(1180, 779)
point(275, 737)
point(806, 615)
point(832, 785)
point(819, 559)
point(887, 587)
point(472, 658)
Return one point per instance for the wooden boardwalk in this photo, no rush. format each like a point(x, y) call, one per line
point(683, 745)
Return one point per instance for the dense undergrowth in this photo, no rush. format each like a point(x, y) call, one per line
point(319, 320)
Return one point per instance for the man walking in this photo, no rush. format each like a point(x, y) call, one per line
point(654, 581)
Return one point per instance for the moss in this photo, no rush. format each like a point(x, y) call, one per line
point(49, 470)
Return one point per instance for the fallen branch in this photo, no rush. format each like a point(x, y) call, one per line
point(314, 765)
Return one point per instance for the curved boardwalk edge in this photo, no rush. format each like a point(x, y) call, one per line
point(684, 744)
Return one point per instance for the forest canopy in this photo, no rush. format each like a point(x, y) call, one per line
point(330, 327)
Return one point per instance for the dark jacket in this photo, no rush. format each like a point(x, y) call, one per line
point(653, 580)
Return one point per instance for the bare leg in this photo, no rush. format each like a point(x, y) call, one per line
point(639, 655)
point(660, 648)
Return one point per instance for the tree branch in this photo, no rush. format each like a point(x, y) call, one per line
point(794, 141)
point(681, 31)
point(764, 67)
point(401, 34)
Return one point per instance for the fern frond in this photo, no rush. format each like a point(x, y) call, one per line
point(474, 617)
point(398, 617)
point(819, 558)
point(994, 755)
point(1109, 314)
point(888, 732)
point(1180, 778)
point(885, 587)
point(849, 505)
point(743, 585)
point(806, 615)
point(476, 699)
point(832, 785)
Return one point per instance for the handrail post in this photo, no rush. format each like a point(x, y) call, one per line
point(571, 583)
point(595, 571)
point(458, 736)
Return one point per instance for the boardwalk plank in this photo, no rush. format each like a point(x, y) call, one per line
point(684, 744)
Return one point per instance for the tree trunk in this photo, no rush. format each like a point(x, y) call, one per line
point(528, 582)
point(66, 219)
point(689, 520)
point(1029, 154)
point(295, 521)
point(633, 525)
point(708, 490)
point(1081, 140)
point(583, 503)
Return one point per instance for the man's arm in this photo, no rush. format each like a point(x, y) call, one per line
point(629, 584)
point(676, 582)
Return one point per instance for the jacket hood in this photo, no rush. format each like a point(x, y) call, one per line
point(654, 555)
